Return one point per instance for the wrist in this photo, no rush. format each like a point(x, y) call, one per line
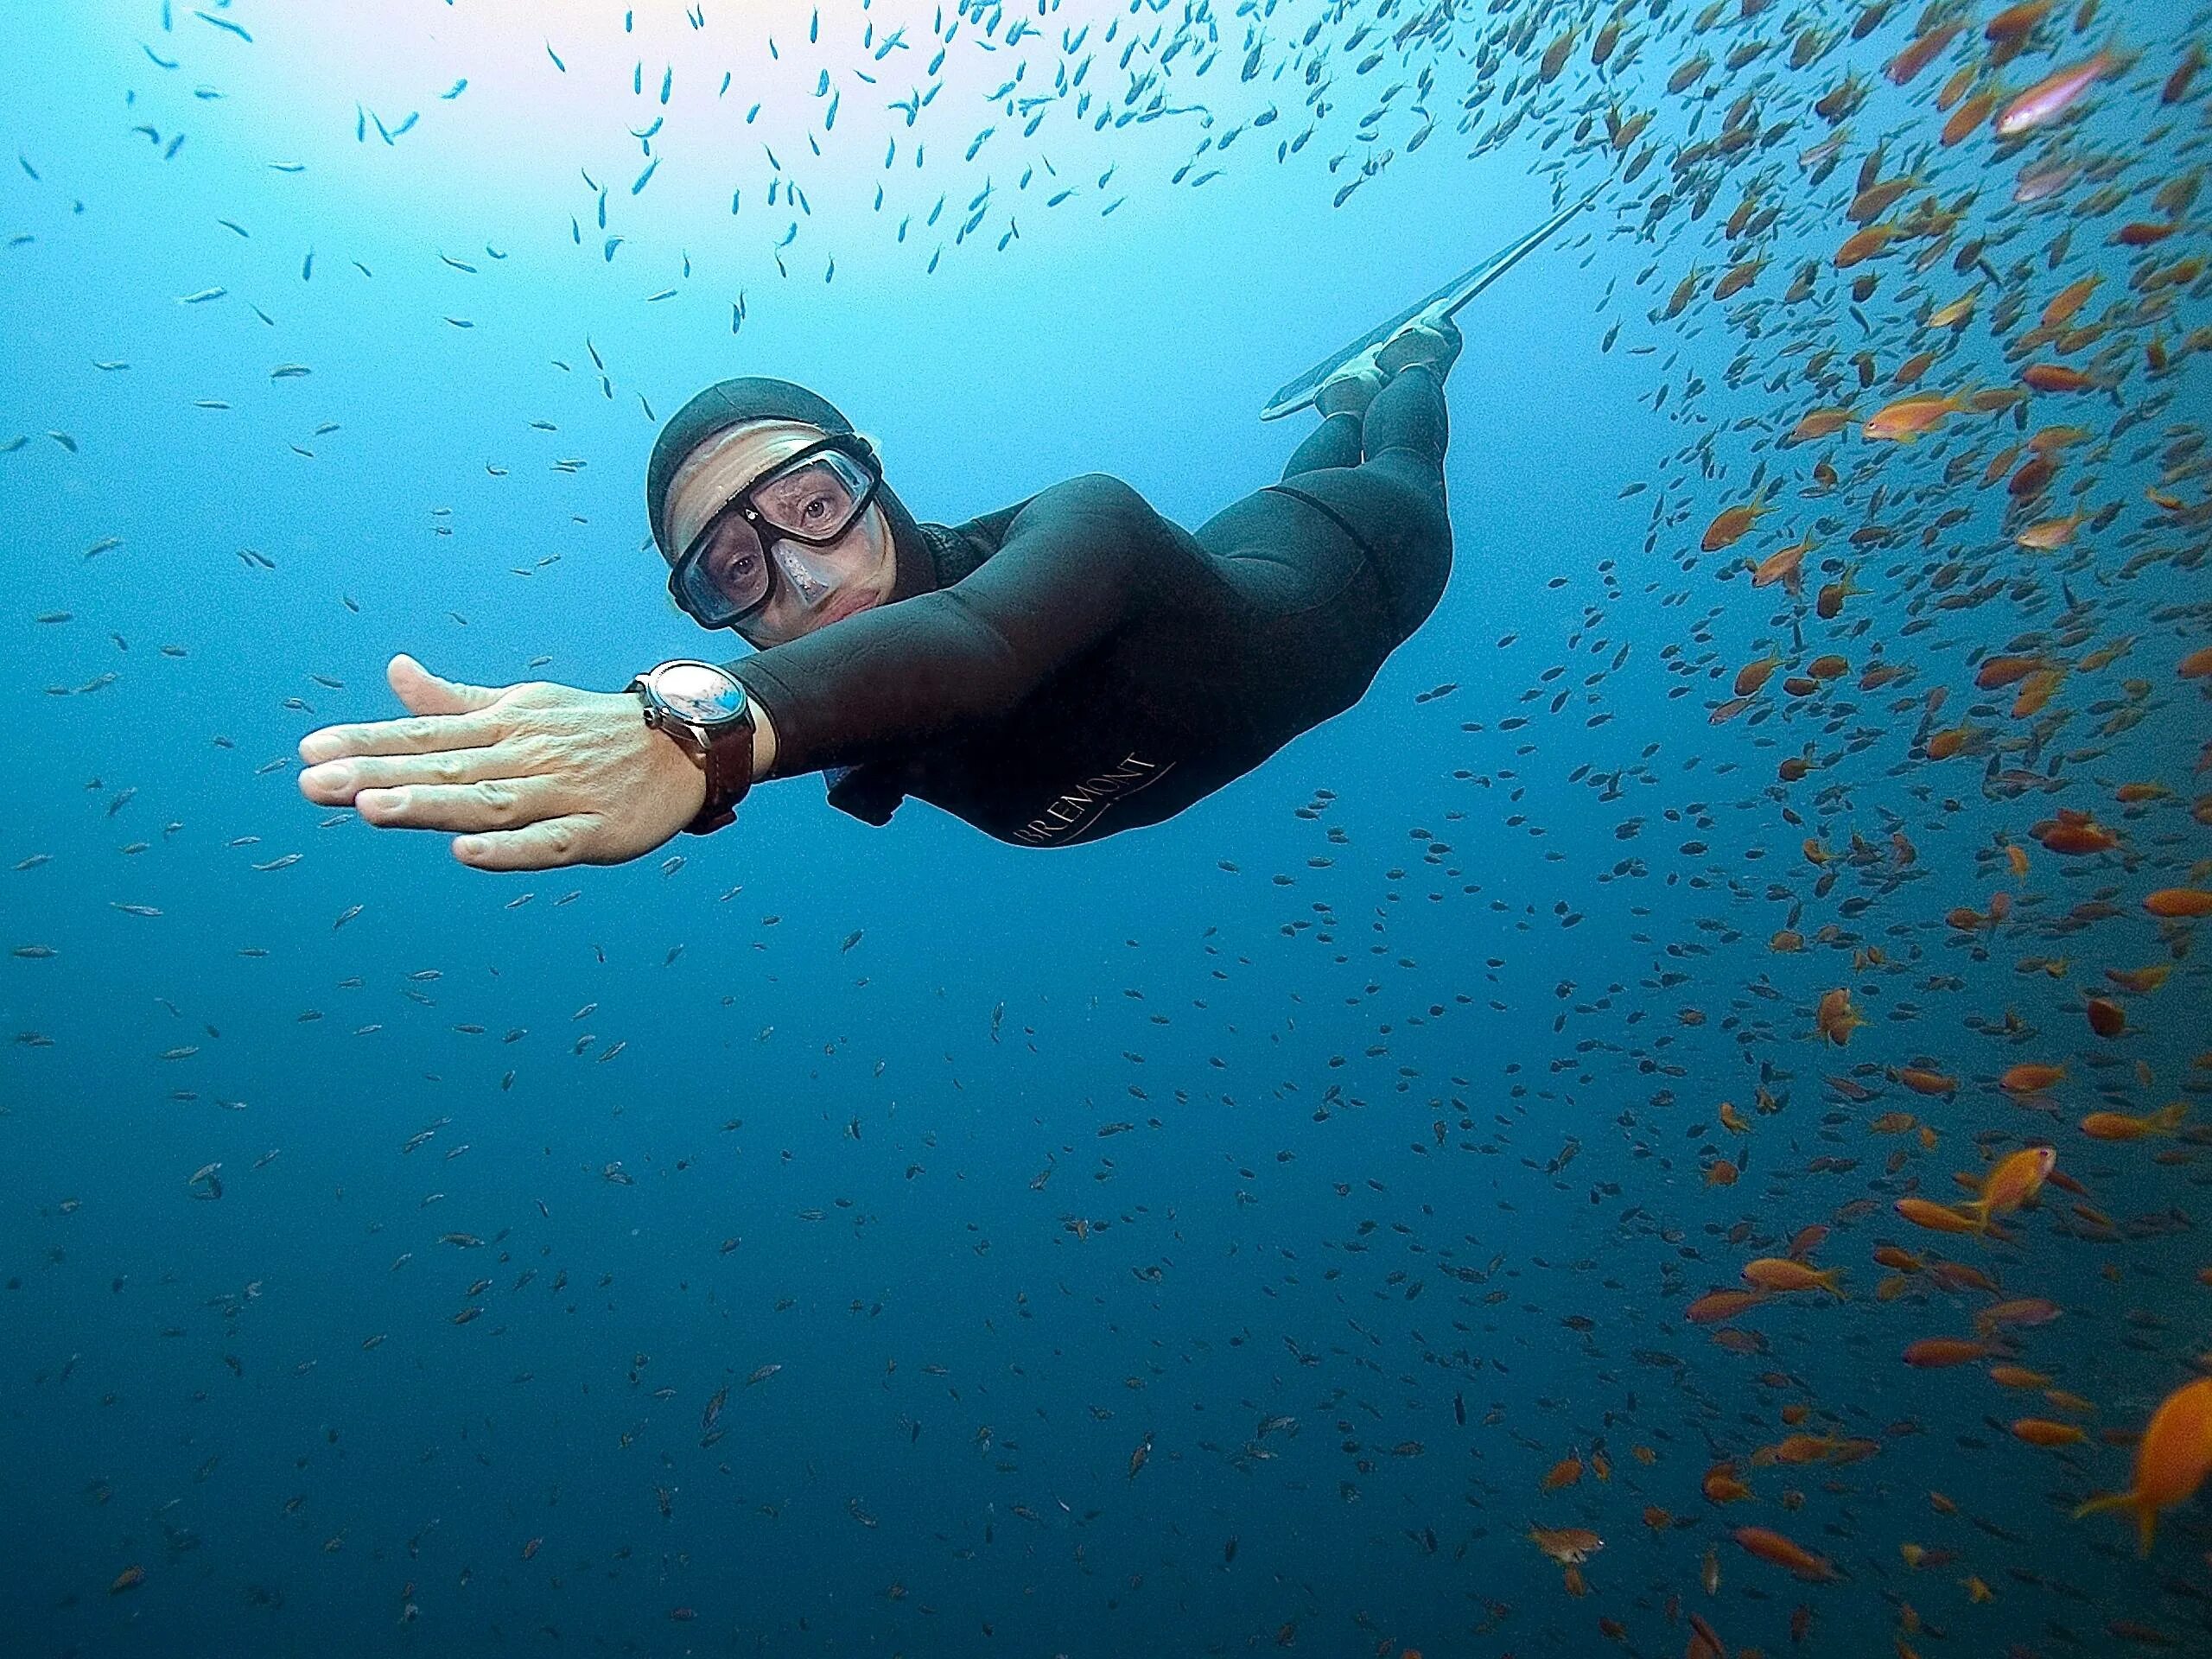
point(705, 711)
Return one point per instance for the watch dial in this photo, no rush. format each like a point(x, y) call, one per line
point(698, 692)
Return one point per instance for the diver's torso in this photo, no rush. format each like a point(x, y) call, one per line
point(1232, 646)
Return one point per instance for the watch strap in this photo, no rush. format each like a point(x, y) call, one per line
point(727, 758)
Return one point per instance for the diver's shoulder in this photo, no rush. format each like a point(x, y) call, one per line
point(1095, 493)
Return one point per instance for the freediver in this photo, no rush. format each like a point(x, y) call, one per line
point(1060, 670)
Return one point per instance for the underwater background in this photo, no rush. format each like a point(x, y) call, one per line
point(1283, 1228)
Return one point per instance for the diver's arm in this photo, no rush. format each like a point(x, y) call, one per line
point(879, 683)
point(764, 741)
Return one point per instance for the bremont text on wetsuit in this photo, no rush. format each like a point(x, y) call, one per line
point(1071, 811)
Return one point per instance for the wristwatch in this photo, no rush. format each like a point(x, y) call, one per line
point(705, 710)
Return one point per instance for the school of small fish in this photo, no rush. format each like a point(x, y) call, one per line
point(1918, 1093)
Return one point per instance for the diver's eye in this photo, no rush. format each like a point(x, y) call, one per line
point(736, 569)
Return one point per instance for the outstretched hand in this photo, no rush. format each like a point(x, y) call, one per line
point(525, 776)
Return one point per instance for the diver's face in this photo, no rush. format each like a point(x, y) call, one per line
point(858, 567)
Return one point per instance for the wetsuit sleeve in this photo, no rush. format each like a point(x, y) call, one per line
point(1077, 558)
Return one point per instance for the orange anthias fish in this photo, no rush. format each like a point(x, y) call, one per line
point(2178, 902)
point(1906, 419)
point(2051, 97)
point(1939, 1353)
point(1936, 1218)
point(2028, 1079)
point(1819, 423)
point(2074, 832)
point(1715, 1307)
point(1785, 565)
point(1732, 523)
point(2123, 1126)
point(1720, 1485)
point(1565, 1473)
point(2171, 1460)
point(1568, 1546)
point(1782, 1552)
point(1780, 1274)
point(1836, 1018)
point(2011, 1184)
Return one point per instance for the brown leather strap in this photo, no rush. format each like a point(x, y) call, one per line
point(729, 775)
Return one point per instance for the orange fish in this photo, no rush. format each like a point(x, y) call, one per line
point(1819, 423)
point(1568, 1546)
point(1920, 52)
point(1958, 311)
point(1785, 565)
point(2016, 1376)
point(1721, 1484)
point(1732, 523)
point(2122, 1125)
point(2055, 377)
point(1836, 1018)
point(1565, 1473)
point(130, 1579)
point(2141, 981)
point(1922, 1081)
point(2028, 1079)
point(1907, 418)
point(2051, 96)
point(2074, 832)
point(1939, 1353)
point(1862, 246)
point(2010, 26)
point(2017, 1310)
point(2000, 672)
point(1955, 740)
point(1752, 675)
point(1774, 1548)
point(1780, 1274)
point(1967, 119)
point(2171, 1460)
point(1936, 1218)
point(2178, 901)
point(2014, 1182)
point(1827, 604)
point(2068, 300)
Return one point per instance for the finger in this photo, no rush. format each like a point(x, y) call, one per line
point(542, 846)
point(424, 693)
point(424, 734)
point(340, 782)
point(496, 804)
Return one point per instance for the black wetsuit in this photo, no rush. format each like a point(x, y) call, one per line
point(1083, 666)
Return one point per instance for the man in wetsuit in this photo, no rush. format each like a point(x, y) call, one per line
point(1060, 670)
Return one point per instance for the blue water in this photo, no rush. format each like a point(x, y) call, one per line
point(1386, 1079)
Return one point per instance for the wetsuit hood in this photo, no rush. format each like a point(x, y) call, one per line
point(757, 397)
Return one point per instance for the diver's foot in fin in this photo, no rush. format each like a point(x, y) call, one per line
point(1351, 388)
point(1433, 341)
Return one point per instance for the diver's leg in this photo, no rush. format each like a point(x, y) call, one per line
point(1393, 501)
point(1335, 443)
point(1407, 428)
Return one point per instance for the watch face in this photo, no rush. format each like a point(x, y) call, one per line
point(698, 692)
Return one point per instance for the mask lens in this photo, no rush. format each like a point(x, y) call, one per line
point(816, 499)
point(728, 572)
